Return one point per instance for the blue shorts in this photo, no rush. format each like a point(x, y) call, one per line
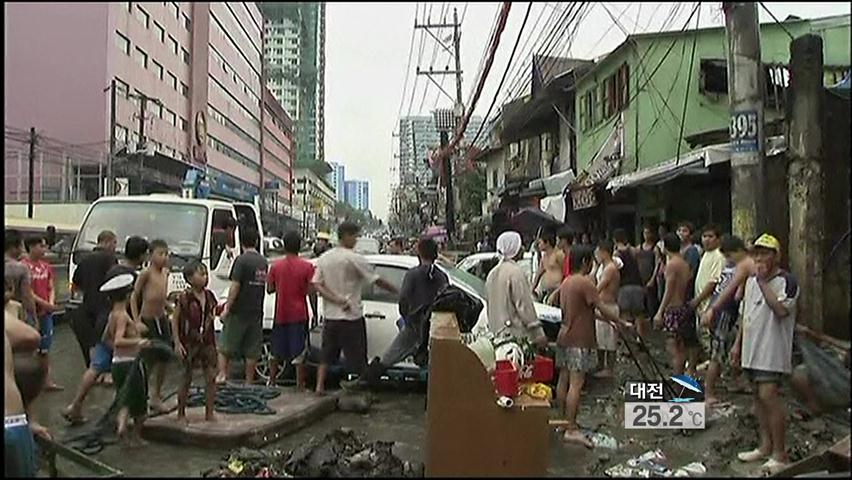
point(45, 327)
point(289, 340)
point(19, 448)
point(102, 362)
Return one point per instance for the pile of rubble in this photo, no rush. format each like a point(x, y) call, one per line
point(339, 454)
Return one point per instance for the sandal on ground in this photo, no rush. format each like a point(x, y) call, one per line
point(752, 455)
point(773, 466)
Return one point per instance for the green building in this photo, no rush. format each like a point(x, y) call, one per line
point(630, 108)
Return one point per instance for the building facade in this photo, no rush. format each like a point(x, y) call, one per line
point(418, 137)
point(358, 194)
point(313, 202)
point(188, 86)
point(295, 51)
point(279, 153)
point(337, 178)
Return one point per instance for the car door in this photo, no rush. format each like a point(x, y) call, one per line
point(381, 310)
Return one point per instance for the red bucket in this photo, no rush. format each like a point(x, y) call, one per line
point(506, 378)
point(542, 369)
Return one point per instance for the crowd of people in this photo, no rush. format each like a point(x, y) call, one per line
point(727, 300)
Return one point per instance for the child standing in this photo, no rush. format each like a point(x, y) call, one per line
point(195, 343)
point(128, 371)
point(42, 278)
point(152, 288)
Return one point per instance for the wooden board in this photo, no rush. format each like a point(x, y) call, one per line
point(468, 434)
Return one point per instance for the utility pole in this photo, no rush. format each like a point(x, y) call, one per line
point(745, 90)
point(110, 189)
point(459, 107)
point(31, 193)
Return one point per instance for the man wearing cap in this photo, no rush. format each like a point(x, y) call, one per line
point(322, 245)
point(764, 347)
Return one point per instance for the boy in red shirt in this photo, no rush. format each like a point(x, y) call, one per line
point(194, 340)
point(290, 278)
point(42, 278)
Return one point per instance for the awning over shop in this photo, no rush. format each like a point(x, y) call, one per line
point(696, 162)
point(554, 184)
point(554, 205)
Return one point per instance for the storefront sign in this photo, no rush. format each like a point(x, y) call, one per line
point(584, 198)
point(744, 129)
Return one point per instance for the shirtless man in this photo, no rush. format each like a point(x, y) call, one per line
point(125, 336)
point(549, 276)
point(152, 288)
point(608, 279)
point(19, 447)
point(675, 316)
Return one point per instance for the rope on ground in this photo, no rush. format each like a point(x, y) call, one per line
point(236, 399)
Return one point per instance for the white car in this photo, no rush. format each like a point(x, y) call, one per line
point(479, 264)
point(381, 310)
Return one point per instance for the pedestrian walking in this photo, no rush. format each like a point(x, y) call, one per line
point(148, 305)
point(675, 316)
point(608, 279)
point(90, 319)
point(340, 277)
point(42, 279)
point(764, 348)
point(290, 280)
point(135, 255)
point(510, 306)
point(576, 341)
point(242, 316)
point(18, 275)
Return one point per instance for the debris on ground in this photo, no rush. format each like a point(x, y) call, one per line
point(654, 463)
point(354, 403)
point(339, 454)
point(602, 440)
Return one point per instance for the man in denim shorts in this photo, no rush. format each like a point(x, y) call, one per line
point(576, 342)
point(765, 347)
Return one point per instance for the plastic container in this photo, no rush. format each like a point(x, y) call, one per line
point(542, 369)
point(506, 379)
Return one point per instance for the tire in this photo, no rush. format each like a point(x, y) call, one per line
point(262, 370)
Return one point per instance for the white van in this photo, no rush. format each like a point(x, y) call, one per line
point(193, 229)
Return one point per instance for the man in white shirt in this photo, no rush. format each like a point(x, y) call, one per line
point(708, 275)
point(340, 276)
point(764, 346)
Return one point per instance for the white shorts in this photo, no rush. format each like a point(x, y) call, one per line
point(607, 337)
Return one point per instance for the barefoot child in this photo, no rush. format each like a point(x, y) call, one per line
point(152, 288)
point(195, 343)
point(128, 371)
point(576, 343)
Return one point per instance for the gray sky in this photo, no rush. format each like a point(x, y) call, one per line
point(367, 47)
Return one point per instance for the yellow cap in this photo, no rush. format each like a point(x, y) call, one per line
point(323, 236)
point(768, 241)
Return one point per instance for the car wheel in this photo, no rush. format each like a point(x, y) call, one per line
point(262, 370)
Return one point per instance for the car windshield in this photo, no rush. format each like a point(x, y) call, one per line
point(476, 284)
point(182, 226)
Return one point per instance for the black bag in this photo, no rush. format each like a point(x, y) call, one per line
point(450, 299)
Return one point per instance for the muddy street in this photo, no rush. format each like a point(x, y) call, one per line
point(400, 416)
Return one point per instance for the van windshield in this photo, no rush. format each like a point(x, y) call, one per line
point(182, 226)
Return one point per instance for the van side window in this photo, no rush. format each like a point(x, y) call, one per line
point(221, 236)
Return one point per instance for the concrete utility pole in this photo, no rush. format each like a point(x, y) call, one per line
point(806, 178)
point(110, 189)
point(31, 192)
point(745, 90)
point(459, 106)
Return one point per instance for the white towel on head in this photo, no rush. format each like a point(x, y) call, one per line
point(508, 245)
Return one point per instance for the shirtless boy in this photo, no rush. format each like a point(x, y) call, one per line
point(128, 372)
point(675, 316)
point(608, 279)
point(19, 446)
point(152, 287)
point(549, 275)
point(195, 343)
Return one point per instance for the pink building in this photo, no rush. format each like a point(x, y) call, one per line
point(198, 62)
point(279, 150)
